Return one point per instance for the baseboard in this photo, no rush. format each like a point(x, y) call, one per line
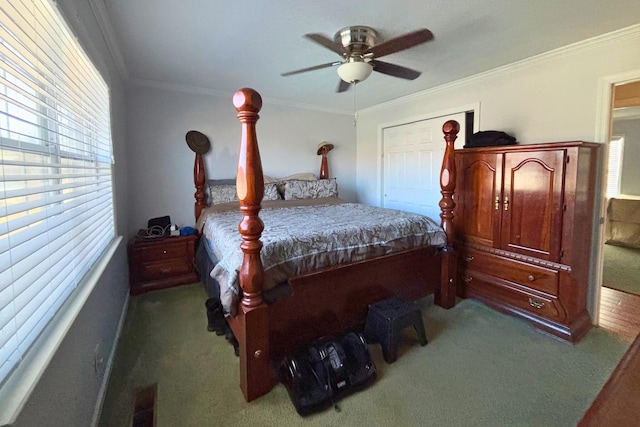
point(97, 412)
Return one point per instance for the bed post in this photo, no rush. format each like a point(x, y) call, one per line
point(198, 180)
point(251, 325)
point(446, 296)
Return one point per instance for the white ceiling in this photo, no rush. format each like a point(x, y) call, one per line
point(221, 46)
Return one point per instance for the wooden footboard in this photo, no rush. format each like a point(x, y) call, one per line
point(325, 302)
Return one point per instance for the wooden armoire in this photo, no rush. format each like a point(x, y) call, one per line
point(524, 220)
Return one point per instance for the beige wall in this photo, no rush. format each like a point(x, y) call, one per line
point(556, 96)
point(552, 97)
point(161, 163)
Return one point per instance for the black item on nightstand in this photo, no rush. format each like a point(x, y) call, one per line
point(386, 320)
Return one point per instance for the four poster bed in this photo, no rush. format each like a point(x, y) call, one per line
point(323, 294)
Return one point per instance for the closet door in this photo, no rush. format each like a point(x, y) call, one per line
point(532, 203)
point(479, 209)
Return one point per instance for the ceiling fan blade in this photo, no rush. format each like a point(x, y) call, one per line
point(394, 70)
point(315, 67)
point(401, 43)
point(343, 86)
point(325, 41)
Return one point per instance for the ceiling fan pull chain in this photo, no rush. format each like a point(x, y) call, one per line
point(355, 114)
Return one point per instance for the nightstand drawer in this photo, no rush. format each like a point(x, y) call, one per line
point(164, 251)
point(158, 270)
point(522, 273)
point(161, 263)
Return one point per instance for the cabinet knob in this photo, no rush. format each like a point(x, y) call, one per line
point(164, 251)
point(497, 203)
point(468, 279)
point(536, 304)
point(468, 258)
point(531, 278)
point(506, 203)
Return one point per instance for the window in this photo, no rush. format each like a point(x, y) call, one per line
point(614, 166)
point(56, 201)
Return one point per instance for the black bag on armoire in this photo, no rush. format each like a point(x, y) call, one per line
point(326, 372)
point(489, 138)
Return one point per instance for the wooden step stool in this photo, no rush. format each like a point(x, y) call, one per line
point(386, 320)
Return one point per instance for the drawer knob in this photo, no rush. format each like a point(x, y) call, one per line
point(164, 251)
point(531, 278)
point(535, 304)
point(468, 258)
point(468, 279)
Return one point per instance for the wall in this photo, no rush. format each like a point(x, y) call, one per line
point(161, 163)
point(630, 177)
point(551, 97)
point(67, 393)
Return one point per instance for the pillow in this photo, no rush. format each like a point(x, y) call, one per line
point(225, 193)
point(297, 177)
point(222, 193)
point(271, 192)
point(298, 189)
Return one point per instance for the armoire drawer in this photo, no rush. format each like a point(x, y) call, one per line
point(545, 306)
point(531, 276)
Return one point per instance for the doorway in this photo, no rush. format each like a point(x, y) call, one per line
point(618, 288)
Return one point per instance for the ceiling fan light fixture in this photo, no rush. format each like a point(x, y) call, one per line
point(354, 71)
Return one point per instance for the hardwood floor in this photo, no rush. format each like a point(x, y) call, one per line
point(620, 312)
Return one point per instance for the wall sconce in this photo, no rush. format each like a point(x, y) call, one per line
point(323, 148)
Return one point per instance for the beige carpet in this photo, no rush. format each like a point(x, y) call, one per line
point(480, 368)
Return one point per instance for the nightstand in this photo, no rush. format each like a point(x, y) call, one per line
point(161, 262)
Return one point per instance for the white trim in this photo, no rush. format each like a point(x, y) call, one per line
point(627, 113)
point(97, 412)
point(475, 107)
point(551, 55)
point(16, 390)
point(157, 84)
point(604, 108)
point(108, 34)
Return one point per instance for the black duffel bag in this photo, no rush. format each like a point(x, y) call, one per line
point(488, 138)
point(326, 372)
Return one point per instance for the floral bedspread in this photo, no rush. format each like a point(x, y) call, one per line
point(298, 239)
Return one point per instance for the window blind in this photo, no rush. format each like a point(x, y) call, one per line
point(56, 201)
point(614, 166)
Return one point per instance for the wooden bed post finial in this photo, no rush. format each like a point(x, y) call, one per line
point(250, 187)
point(448, 178)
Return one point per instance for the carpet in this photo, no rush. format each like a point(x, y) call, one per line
point(621, 269)
point(480, 368)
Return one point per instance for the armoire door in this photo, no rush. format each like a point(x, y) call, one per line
point(532, 203)
point(479, 211)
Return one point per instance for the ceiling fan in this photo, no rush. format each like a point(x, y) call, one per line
point(359, 51)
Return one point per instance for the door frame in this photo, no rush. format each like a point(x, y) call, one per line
point(604, 113)
point(473, 107)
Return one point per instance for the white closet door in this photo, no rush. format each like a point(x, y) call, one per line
point(413, 155)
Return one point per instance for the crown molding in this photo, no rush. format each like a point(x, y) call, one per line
point(573, 48)
point(162, 85)
point(108, 34)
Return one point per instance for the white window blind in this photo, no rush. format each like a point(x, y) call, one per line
point(614, 166)
point(56, 201)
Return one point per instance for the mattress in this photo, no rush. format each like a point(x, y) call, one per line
point(305, 235)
